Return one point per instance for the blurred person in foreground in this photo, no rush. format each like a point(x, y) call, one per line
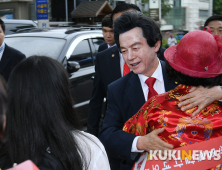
point(9, 57)
point(107, 28)
point(195, 61)
point(42, 125)
point(215, 24)
point(3, 107)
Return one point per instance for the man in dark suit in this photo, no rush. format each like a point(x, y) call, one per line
point(109, 67)
point(107, 28)
point(127, 95)
point(9, 57)
point(139, 39)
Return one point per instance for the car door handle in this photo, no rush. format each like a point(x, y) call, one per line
point(92, 78)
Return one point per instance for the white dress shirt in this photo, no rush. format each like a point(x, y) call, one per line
point(122, 62)
point(2, 49)
point(158, 86)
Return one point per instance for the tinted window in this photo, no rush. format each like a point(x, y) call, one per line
point(11, 28)
point(51, 47)
point(82, 54)
point(97, 42)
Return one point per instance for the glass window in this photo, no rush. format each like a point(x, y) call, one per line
point(97, 42)
point(176, 3)
point(50, 47)
point(11, 28)
point(203, 13)
point(82, 54)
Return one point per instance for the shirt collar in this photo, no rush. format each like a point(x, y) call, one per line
point(111, 46)
point(157, 74)
point(2, 47)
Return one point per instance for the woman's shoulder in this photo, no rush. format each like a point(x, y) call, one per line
point(93, 150)
point(90, 140)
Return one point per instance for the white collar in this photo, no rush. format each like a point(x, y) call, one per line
point(157, 74)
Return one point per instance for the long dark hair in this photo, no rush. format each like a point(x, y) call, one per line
point(41, 115)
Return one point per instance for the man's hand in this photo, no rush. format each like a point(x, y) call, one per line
point(151, 141)
point(201, 97)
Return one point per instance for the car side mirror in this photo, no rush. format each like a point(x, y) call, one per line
point(72, 66)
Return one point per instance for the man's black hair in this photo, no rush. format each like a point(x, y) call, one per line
point(213, 18)
point(181, 78)
point(2, 25)
point(107, 22)
point(122, 8)
point(132, 19)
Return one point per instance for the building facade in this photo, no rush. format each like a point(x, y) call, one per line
point(189, 15)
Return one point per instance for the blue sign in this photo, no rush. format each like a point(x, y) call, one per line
point(41, 9)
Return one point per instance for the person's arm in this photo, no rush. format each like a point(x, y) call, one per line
point(119, 142)
point(115, 140)
point(201, 97)
point(96, 102)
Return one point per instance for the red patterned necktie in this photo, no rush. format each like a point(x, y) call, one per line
point(126, 69)
point(150, 82)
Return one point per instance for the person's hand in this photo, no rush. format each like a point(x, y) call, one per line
point(201, 97)
point(151, 141)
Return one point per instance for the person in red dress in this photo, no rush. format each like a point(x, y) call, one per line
point(195, 61)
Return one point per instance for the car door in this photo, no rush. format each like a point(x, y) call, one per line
point(81, 81)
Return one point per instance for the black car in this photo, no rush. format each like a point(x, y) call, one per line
point(14, 25)
point(74, 48)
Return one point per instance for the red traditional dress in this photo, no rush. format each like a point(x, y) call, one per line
point(180, 128)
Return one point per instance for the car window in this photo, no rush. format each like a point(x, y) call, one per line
point(82, 54)
point(51, 47)
point(12, 28)
point(97, 42)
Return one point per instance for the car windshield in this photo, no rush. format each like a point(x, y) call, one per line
point(50, 47)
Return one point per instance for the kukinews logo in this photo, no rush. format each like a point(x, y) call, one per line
point(190, 155)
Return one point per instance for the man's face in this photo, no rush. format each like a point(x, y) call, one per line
point(138, 55)
point(108, 35)
point(2, 35)
point(216, 27)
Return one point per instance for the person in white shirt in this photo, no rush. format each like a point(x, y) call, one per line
point(171, 40)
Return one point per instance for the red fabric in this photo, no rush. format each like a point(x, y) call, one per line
point(150, 82)
point(180, 128)
point(126, 69)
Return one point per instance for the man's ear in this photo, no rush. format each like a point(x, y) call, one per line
point(157, 46)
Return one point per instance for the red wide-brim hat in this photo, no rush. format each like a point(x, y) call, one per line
point(198, 54)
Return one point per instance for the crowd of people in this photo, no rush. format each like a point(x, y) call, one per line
point(148, 92)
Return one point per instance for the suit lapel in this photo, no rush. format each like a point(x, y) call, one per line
point(134, 92)
point(169, 85)
point(114, 63)
point(5, 59)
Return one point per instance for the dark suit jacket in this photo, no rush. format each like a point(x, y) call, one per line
point(10, 58)
point(107, 68)
point(125, 97)
point(102, 47)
